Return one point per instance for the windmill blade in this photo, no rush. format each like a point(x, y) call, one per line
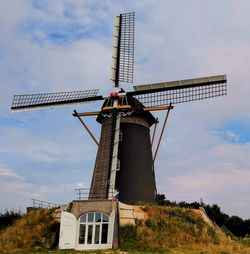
point(160, 94)
point(122, 67)
point(49, 100)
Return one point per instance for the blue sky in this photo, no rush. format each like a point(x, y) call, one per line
point(51, 46)
point(235, 132)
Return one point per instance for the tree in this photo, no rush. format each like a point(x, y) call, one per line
point(160, 199)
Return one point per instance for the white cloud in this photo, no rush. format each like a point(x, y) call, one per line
point(19, 142)
point(16, 194)
point(7, 172)
point(229, 188)
point(229, 135)
point(72, 186)
point(216, 171)
point(210, 183)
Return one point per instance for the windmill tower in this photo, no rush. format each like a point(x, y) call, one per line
point(124, 167)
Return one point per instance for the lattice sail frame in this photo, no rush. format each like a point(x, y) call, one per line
point(36, 101)
point(122, 67)
point(161, 94)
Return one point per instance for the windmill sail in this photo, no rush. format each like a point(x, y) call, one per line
point(48, 100)
point(122, 67)
point(160, 94)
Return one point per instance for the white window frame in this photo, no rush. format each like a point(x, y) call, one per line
point(86, 245)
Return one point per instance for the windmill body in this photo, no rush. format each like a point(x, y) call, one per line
point(125, 148)
point(136, 178)
point(124, 166)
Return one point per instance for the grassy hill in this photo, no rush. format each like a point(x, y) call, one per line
point(169, 230)
point(34, 230)
point(178, 230)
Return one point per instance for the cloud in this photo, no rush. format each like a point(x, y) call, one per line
point(29, 146)
point(204, 165)
point(231, 135)
point(63, 22)
point(17, 189)
point(210, 183)
point(235, 132)
point(75, 185)
point(19, 142)
point(14, 187)
point(7, 172)
point(228, 187)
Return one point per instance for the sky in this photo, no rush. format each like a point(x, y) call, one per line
point(53, 46)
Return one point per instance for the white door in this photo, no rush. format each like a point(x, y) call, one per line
point(67, 239)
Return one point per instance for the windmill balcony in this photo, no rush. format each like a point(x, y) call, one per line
point(86, 194)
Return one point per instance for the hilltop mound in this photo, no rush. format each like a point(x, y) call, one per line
point(169, 229)
point(36, 229)
point(164, 230)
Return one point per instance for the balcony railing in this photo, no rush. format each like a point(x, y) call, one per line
point(43, 204)
point(97, 193)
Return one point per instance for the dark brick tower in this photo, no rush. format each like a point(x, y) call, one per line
point(135, 179)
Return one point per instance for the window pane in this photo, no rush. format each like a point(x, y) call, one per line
point(90, 217)
point(105, 233)
point(98, 217)
point(82, 234)
point(97, 234)
point(83, 218)
point(105, 218)
point(90, 229)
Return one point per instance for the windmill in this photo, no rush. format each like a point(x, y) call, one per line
point(124, 166)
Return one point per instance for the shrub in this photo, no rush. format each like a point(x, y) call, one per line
point(8, 217)
point(36, 229)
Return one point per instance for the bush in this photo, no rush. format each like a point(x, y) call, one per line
point(8, 217)
point(36, 229)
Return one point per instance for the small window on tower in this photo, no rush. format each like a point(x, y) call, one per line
point(118, 165)
point(120, 136)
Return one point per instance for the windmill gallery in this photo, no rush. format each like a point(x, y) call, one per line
point(119, 181)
